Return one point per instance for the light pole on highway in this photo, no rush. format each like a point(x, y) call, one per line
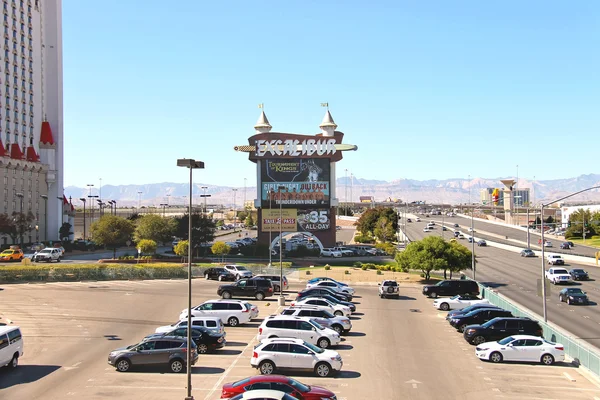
point(472, 233)
point(204, 188)
point(281, 298)
point(271, 194)
point(83, 199)
point(163, 205)
point(191, 164)
point(544, 242)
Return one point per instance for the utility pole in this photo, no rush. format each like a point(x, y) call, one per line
point(234, 209)
point(346, 191)
point(139, 200)
point(244, 205)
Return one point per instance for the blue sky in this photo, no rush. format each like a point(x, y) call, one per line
point(427, 90)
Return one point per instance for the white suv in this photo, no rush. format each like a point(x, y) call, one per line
point(213, 324)
point(48, 254)
point(330, 252)
point(303, 328)
point(333, 286)
point(294, 354)
point(324, 304)
point(337, 323)
point(389, 288)
point(231, 312)
point(238, 271)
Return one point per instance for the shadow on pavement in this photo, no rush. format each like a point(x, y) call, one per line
point(227, 352)
point(405, 298)
point(236, 344)
point(357, 313)
point(207, 370)
point(112, 337)
point(250, 325)
point(355, 318)
point(343, 347)
point(24, 374)
point(493, 284)
point(355, 334)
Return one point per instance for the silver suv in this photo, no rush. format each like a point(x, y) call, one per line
point(389, 288)
point(154, 352)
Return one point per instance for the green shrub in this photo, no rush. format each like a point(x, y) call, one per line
point(371, 266)
point(364, 239)
point(379, 272)
point(327, 267)
point(307, 272)
point(364, 267)
point(346, 272)
point(357, 264)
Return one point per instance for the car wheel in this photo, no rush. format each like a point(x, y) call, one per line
point(547, 359)
point(206, 276)
point(177, 366)
point(233, 321)
point(560, 298)
point(226, 295)
point(202, 348)
point(323, 369)
point(14, 362)
point(260, 296)
point(462, 327)
point(338, 328)
point(338, 313)
point(478, 340)
point(237, 277)
point(323, 343)
point(123, 365)
point(433, 295)
point(266, 368)
point(444, 306)
point(496, 357)
point(569, 301)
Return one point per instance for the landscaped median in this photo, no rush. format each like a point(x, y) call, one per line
point(105, 272)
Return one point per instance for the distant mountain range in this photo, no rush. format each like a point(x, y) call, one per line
point(448, 191)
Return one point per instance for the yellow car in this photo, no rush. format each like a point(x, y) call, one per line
point(11, 255)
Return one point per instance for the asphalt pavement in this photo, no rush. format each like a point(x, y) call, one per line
point(518, 277)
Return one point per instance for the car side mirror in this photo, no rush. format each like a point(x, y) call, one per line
point(509, 345)
point(310, 353)
point(138, 350)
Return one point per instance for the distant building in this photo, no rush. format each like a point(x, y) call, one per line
point(521, 197)
point(366, 199)
point(568, 210)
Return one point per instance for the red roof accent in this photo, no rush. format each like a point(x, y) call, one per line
point(32, 155)
point(3, 152)
point(15, 152)
point(65, 201)
point(46, 135)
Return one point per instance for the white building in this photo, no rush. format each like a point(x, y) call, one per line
point(568, 210)
point(31, 115)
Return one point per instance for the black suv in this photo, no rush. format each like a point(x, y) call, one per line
point(451, 288)
point(219, 273)
point(205, 339)
point(257, 288)
point(466, 310)
point(499, 328)
point(322, 291)
point(478, 316)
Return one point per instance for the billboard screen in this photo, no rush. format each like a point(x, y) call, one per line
point(314, 220)
point(270, 220)
point(304, 182)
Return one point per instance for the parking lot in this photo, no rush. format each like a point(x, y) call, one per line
point(397, 348)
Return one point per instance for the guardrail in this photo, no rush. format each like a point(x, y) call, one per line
point(581, 352)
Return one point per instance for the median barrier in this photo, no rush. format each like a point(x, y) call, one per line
point(582, 353)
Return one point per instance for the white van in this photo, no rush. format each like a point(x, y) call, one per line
point(213, 324)
point(11, 345)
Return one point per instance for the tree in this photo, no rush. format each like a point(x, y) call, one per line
point(181, 249)
point(580, 220)
point(220, 249)
point(384, 230)
point(22, 223)
point(8, 226)
point(147, 246)
point(203, 229)
point(433, 254)
point(384, 219)
point(112, 231)
point(242, 215)
point(345, 210)
point(65, 231)
point(155, 227)
point(549, 220)
point(249, 221)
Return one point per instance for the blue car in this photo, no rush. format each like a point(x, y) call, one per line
point(323, 278)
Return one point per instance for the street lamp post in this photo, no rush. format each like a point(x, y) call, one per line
point(20, 196)
point(234, 210)
point(139, 200)
point(271, 194)
point(163, 205)
point(84, 232)
point(472, 233)
point(191, 164)
point(544, 242)
point(281, 298)
point(45, 197)
point(92, 197)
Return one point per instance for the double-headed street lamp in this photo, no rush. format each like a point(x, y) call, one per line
point(542, 205)
point(163, 205)
point(92, 197)
point(84, 233)
point(191, 164)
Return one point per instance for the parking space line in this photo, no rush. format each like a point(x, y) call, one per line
point(559, 388)
point(569, 377)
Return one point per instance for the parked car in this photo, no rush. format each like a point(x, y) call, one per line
point(48, 254)
point(340, 324)
point(294, 354)
point(466, 310)
point(324, 304)
point(11, 346)
point(275, 280)
point(238, 271)
point(526, 348)
point(11, 255)
point(347, 290)
point(478, 316)
point(451, 288)
point(161, 351)
point(276, 326)
point(231, 312)
point(330, 252)
point(325, 278)
point(323, 291)
point(205, 339)
point(499, 328)
point(389, 288)
point(578, 274)
point(320, 294)
point(213, 324)
point(573, 296)
point(263, 394)
point(527, 253)
point(253, 287)
point(219, 273)
point(457, 302)
point(285, 384)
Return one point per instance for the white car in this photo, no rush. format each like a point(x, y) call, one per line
point(331, 285)
point(262, 394)
point(213, 324)
point(558, 275)
point(330, 252)
point(338, 323)
point(238, 271)
point(521, 348)
point(231, 312)
point(324, 304)
point(305, 328)
point(418, 219)
point(555, 259)
point(548, 243)
point(426, 229)
point(458, 302)
point(294, 354)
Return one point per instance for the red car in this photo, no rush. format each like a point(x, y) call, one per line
point(277, 382)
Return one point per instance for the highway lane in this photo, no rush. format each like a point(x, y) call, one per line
point(517, 278)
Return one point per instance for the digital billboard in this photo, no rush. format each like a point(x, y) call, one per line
point(270, 220)
point(314, 220)
point(292, 183)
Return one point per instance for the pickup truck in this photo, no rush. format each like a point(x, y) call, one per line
point(558, 275)
point(555, 259)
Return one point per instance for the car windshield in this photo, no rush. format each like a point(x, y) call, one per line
point(242, 268)
point(316, 324)
point(457, 297)
point(574, 291)
point(506, 340)
point(45, 251)
point(390, 284)
point(490, 322)
point(561, 271)
point(299, 386)
point(579, 271)
point(314, 348)
point(327, 314)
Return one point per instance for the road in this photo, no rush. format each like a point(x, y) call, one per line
point(397, 349)
point(517, 277)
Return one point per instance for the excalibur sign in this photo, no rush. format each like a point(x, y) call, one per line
point(294, 148)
